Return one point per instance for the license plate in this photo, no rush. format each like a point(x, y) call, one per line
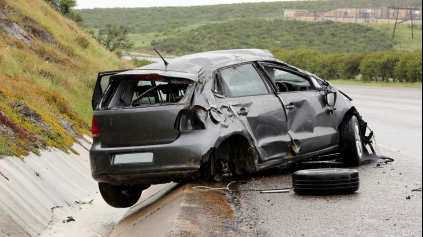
point(134, 158)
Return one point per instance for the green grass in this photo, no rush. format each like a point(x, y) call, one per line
point(143, 41)
point(56, 80)
point(374, 83)
point(403, 37)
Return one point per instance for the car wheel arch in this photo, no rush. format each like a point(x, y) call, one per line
point(237, 151)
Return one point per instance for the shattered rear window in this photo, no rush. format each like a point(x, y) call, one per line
point(138, 93)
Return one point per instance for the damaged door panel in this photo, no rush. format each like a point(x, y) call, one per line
point(311, 124)
point(259, 110)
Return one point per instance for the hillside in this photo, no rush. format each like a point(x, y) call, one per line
point(181, 24)
point(48, 68)
point(326, 37)
point(160, 19)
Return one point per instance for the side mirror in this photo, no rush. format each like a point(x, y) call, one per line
point(331, 99)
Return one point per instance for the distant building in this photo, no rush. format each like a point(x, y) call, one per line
point(373, 13)
point(292, 13)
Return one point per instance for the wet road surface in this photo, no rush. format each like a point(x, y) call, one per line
point(385, 205)
point(379, 208)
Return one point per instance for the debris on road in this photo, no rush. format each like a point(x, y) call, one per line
point(417, 190)
point(4, 176)
point(275, 191)
point(70, 219)
point(82, 203)
point(205, 188)
point(326, 182)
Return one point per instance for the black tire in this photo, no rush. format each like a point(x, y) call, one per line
point(326, 182)
point(121, 196)
point(351, 142)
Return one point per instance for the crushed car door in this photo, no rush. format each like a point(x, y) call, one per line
point(103, 80)
point(311, 123)
point(253, 101)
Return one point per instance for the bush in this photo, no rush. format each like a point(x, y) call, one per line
point(405, 67)
point(409, 68)
point(140, 62)
point(83, 42)
point(327, 66)
point(349, 68)
point(379, 66)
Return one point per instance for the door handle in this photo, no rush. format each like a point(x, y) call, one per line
point(243, 112)
point(291, 107)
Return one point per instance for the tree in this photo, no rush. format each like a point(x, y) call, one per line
point(64, 6)
point(115, 38)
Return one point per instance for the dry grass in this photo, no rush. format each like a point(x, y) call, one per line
point(56, 79)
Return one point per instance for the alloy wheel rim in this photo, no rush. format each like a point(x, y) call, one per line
point(358, 142)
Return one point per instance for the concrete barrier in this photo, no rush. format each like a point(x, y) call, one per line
point(30, 190)
point(178, 210)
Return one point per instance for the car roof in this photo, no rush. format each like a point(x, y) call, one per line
point(191, 66)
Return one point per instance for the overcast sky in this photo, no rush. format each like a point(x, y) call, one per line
point(84, 4)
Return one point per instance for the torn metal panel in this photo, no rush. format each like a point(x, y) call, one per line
point(310, 124)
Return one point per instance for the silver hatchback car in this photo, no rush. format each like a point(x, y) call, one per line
point(204, 115)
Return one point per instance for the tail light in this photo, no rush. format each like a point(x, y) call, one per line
point(95, 129)
point(193, 120)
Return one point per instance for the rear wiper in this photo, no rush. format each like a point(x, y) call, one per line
point(139, 97)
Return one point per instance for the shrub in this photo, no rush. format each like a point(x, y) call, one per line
point(83, 42)
point(140, 62)
point(409, 67)
point(379, 66)
point(327, 66)
point(349, 68)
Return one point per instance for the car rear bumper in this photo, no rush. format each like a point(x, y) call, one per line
point(176, 162)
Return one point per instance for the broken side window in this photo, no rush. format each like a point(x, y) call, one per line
point(288, 81)
point(243, 80)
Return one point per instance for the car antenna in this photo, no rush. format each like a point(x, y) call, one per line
point(165, 62)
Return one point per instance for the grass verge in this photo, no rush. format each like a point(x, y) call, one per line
point(375, 83)
point(46, 87)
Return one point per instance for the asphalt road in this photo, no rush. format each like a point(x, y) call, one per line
point(380, 208)
point(385, 205)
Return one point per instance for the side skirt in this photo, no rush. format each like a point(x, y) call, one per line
point(290, 159)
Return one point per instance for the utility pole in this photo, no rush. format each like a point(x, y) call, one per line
point(412, 24)
point(336, 10)
point(356, 13)
point(396, 22)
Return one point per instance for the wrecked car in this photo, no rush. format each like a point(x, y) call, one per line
point(204, 115)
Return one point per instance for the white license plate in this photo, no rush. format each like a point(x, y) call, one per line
point(134, 158)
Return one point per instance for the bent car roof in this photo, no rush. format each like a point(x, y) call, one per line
point(191, 66)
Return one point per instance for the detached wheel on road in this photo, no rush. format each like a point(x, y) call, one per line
point(351, 142)
point(326, 182)
point(121, 196)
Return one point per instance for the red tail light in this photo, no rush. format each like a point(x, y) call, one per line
point(148, 77)
point(95, 129)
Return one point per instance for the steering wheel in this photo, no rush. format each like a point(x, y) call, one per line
point(284, 85)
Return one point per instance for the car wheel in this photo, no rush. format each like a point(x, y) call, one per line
point(351, 142)
point(121, 196)
point(326, 182)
